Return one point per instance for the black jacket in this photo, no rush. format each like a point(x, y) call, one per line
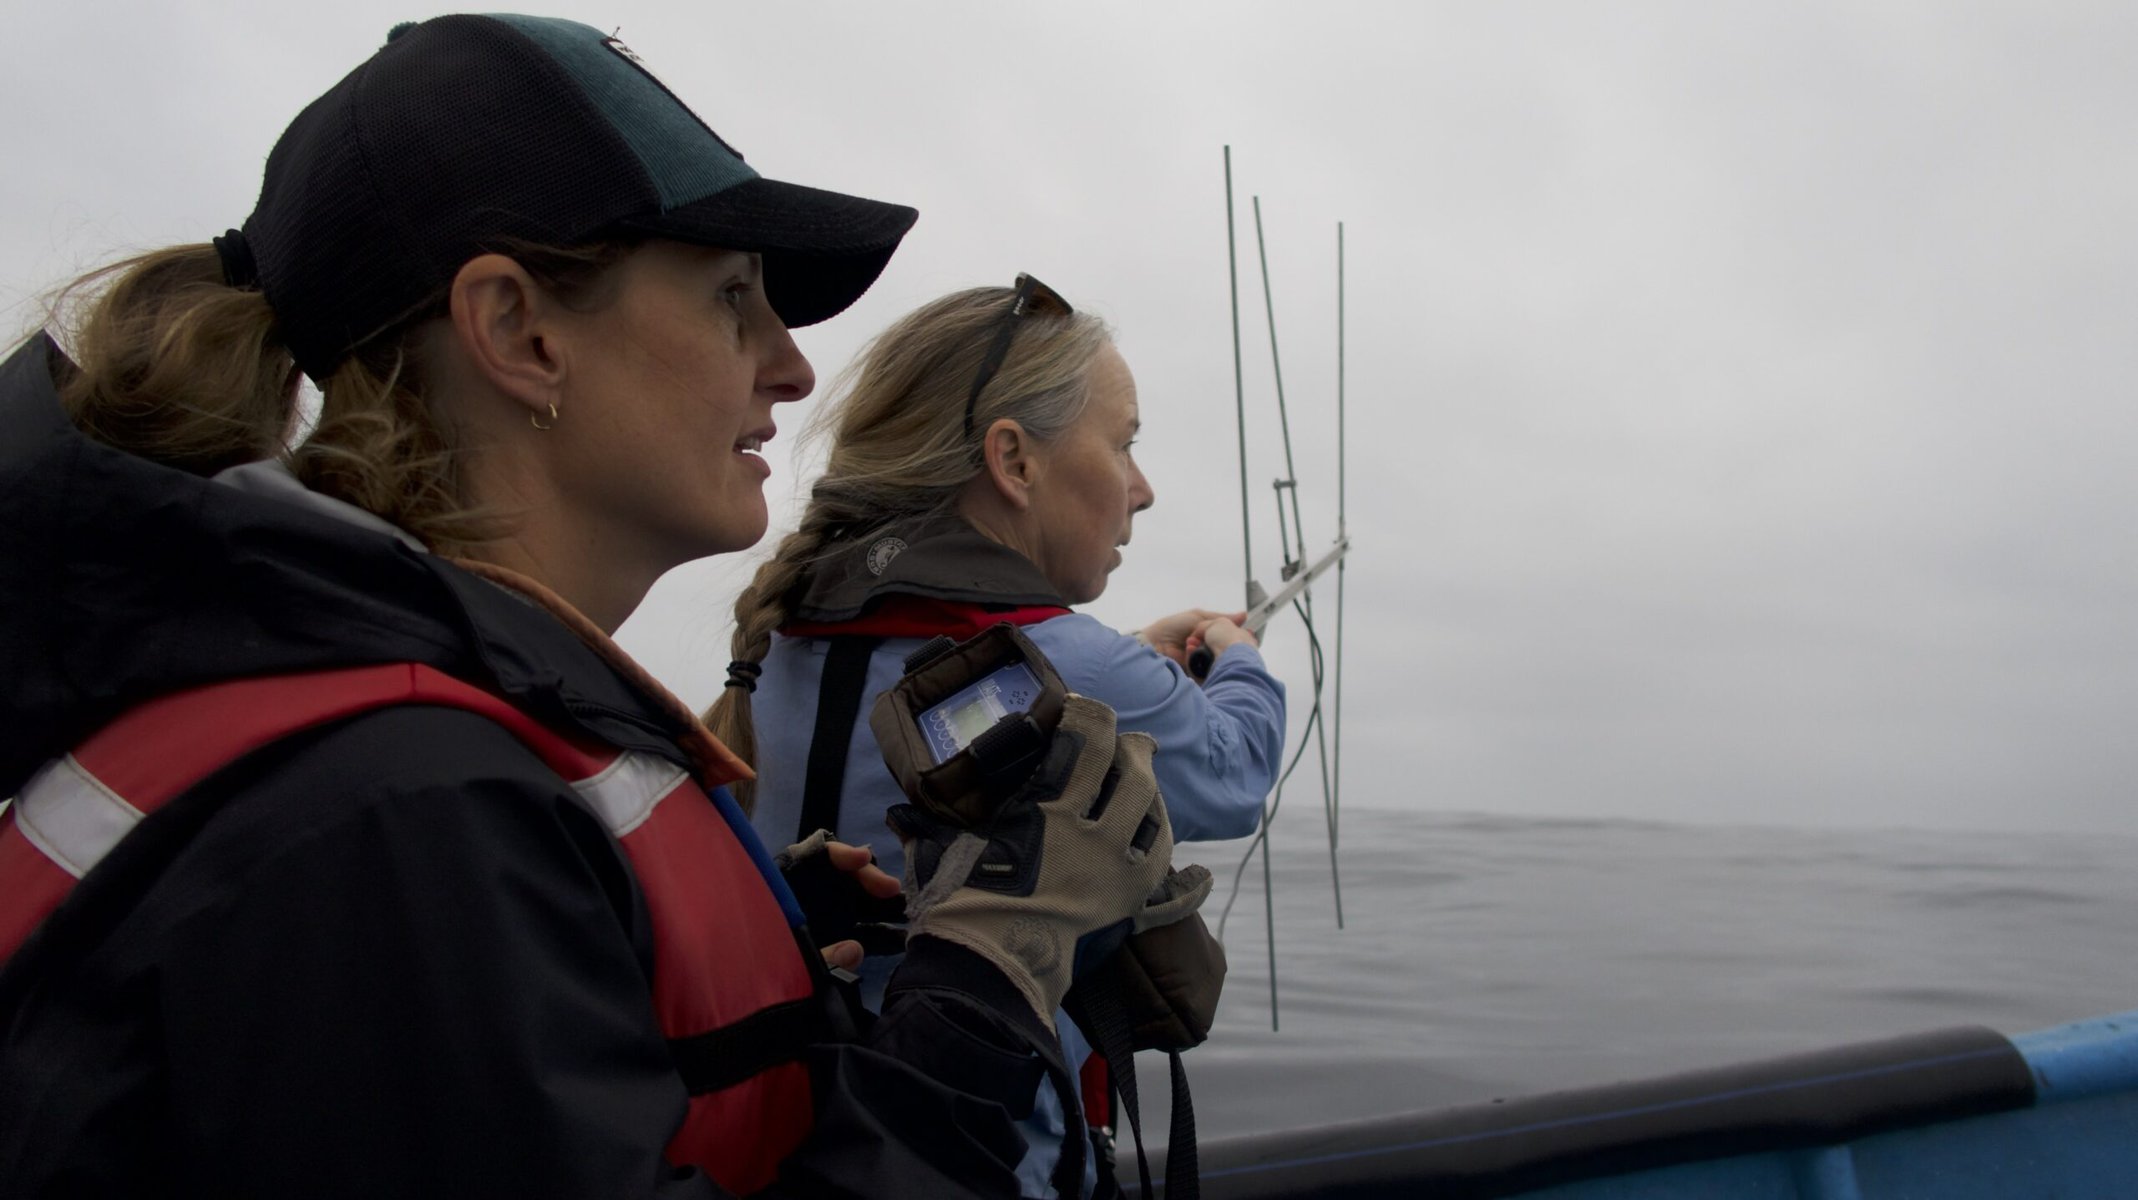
point(394, 957)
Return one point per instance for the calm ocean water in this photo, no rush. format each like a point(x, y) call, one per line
point(1489, 956)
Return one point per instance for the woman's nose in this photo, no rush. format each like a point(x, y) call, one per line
point(785, 373)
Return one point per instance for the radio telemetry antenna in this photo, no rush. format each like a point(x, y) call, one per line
point(1298, 575)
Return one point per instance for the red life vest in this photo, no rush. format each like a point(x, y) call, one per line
point(731, 988)
point(898, 615)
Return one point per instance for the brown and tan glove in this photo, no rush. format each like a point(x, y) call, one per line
point(1067, 867)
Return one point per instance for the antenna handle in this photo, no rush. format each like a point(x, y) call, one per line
point(1199, 663)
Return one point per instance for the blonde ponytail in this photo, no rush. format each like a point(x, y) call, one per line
point(174, 365)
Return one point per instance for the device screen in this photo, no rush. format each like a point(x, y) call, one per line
point(952, 725)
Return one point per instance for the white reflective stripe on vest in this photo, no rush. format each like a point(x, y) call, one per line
point(74, 820)
point(71, 817)
point(624, 792)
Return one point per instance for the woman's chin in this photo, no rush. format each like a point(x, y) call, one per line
point(1085, 593)
point(741, 526)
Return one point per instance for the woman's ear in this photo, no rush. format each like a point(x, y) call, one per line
point(500, 317)
point(1014, 462)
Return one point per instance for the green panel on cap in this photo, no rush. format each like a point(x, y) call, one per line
point(686, 160)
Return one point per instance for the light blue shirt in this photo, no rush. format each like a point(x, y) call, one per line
point(1219, 750)
point(1218, 745)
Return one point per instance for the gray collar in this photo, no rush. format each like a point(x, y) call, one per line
point(271, 477)
point(942, 558)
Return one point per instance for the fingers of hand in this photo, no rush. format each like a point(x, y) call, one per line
point(849, 858)
point(1093, 724)
point(809, 847)
point(1223, 632)
point(1137, 791)
point(1178, 652)
point(860, 862)
point(1170, 630)
point(877, 882)
point(1111, 789)
point(949, 872)
point(1216, 633)
point(1181, 892)
point(845, 955)
point(1135, 818)
point(1088, 787)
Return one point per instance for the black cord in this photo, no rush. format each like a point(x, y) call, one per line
point(1276, 798)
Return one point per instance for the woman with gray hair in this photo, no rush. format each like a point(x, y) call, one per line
point(981, 470)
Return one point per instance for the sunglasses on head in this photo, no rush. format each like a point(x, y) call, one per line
point(1031, 296)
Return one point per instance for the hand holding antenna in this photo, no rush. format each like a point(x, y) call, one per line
point(1178, 636)
point(1215, 636)
point(1255, 619)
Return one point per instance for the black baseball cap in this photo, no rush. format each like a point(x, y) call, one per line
point(465, 131)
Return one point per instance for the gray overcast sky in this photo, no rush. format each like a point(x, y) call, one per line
point(1740, 395)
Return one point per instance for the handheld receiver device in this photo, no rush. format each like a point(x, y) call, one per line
point(969, 721)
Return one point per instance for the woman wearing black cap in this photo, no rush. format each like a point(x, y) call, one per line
point(347, 855)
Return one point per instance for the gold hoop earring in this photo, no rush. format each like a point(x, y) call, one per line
point(537, 421)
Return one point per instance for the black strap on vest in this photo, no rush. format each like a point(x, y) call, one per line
point(846, 674)
point(770, 1037)
point(726, 1056)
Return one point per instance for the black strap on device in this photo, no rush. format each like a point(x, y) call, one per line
point(846, 675)
point(1109, 1029)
